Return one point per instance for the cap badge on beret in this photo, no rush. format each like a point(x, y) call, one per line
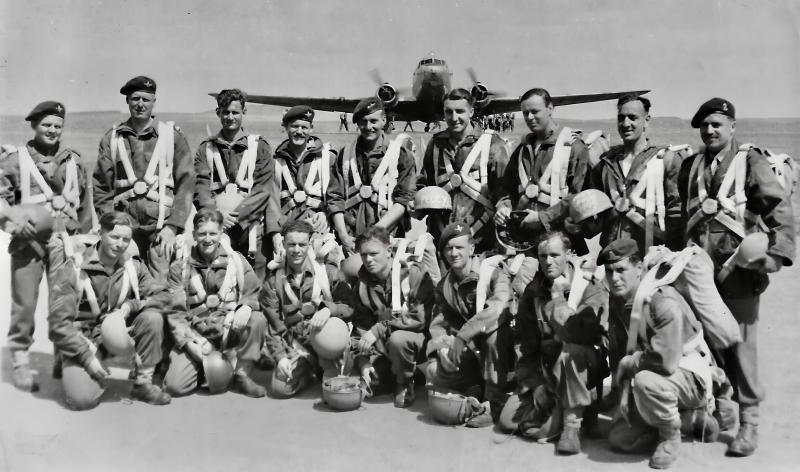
point(308, 115)
point(459, 228)
point(148, 84)
point(60, 108)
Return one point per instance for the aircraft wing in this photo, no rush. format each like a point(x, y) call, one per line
point(338, 104)
point(511, 104)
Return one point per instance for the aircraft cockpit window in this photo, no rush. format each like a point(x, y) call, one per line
point(425, 62)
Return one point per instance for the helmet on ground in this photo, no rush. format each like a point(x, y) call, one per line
point(343, 393)
point(332, 339)
point(450, 408)
point(115, 336)
point(228, 201)
point(81, 391)
point(218, 372)
point(432, 198)
point(531, 420)
point(586, 204)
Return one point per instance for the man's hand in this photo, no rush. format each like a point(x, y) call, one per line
point(278, 252)
point(367, 340)
point(285, 368)
point(531, 221)
point(199, 347)
point(457, 350)
point(229, 218)
point(348, 243)
point(625, 369)
point(166, 241)
point(17, 223)
point(96, 370)
point(771, 264)
point(319, 319)
point(241, 317)
point(368, 373)
point(501, 215)
point(444, 360)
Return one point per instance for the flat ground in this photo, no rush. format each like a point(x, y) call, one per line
point(231, 432)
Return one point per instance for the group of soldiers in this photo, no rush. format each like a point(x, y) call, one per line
point(242, 255)
point(502, 122)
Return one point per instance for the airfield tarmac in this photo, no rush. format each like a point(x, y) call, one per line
point(231, 432)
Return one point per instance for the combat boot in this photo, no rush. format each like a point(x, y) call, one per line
point(746, 441)
point(404, 394)
point(149, 393)
point(22, 375)
point(666, 453)
point(570, 442)
point(243, 384)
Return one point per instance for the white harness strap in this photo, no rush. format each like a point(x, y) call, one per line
point(70, 195)
point(158, 176)
point(314, 188)
point(129, 280)
point(487, 268)
point(580, 281)
point(553, 183)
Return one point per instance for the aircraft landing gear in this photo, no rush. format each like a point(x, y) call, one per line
point(427, 127)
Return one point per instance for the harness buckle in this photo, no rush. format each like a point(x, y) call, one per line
point(456, 180)
point(622, 204)
point(58, 203)
point(365, 191)
point(232, 188)
point(299, 196)
point(308, 309)
point(212, 301)
point(140, 188)
point(709, 206)
point(531, 191)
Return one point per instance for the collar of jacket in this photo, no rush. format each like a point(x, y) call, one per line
point(240, 140)
point(60, 156)
point(91, 261)
point(307, 269)
point(313, 149)
point(220, 260)
point(126, 127)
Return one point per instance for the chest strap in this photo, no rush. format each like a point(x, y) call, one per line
point(65, 204)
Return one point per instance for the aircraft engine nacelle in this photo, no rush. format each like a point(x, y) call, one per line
point(481, 95)
point(388, 95)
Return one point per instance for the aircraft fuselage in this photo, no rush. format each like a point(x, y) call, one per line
point(431, 82)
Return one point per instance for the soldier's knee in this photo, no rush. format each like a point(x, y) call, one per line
point(509, 420)
point(646, 383)
point(150, 321)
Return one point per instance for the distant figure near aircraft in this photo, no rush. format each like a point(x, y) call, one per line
point(343, 122)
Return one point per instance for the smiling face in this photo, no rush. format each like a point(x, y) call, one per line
point(140, 105)
point(207, 236)
point(716, 131)
point(632, 120)
point(538, 115)
point(114, 242)
point(622, 277)
point(47, 132)
point(552, 258)
point(457, 114)
point(375, 256)
point(232, 116)
point(296, 243)
point(370, 126)
point(458, 251)
point(298, 131)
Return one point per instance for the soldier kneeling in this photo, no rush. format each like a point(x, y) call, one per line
point(100, 293)
point(218, 291)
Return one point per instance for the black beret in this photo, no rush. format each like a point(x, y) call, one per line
point(715, 105)
point(454, 230)
point(138, 84)
point(617, 250)
point(366, 107)
point(299, 112)
point(47, 108)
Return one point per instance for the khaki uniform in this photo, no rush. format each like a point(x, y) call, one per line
point(526, 168)
point(362, 211)
point(767, 208)
point(256, 192)
point(609, 178)
point(27, 267)
point(204, 312)
point(115, 189)
point(486, 330)
point(441, 163)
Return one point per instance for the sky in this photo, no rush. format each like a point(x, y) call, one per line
point(685, 51)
